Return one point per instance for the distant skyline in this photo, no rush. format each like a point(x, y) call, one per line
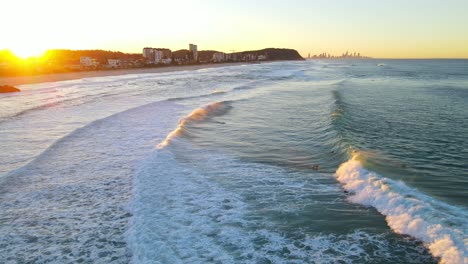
point(375, 28)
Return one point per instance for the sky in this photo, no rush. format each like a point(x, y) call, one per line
point(376, 28)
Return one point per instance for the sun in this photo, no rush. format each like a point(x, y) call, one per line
point(25, 52)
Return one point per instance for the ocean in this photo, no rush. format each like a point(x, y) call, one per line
point(353, 161)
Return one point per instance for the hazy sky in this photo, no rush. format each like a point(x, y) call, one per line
point(377, 28)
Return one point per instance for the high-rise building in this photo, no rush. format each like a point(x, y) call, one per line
point(166, 53)
point(194, 51)
point(148, 53)
point(156, 55)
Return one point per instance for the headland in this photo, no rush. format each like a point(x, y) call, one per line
point(60, 65)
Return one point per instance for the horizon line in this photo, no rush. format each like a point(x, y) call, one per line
point(305, 57)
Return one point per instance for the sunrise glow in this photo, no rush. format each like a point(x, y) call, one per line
point(27, 52)
point(386, 29)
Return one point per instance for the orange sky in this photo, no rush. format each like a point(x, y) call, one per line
point(397, 29)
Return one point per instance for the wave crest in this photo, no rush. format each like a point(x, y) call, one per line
point(197, 115)
point(438, 225)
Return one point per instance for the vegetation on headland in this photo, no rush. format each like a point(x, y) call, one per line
point(276, 54)
point(62, 61)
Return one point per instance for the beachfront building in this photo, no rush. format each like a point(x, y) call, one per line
point(166, 53)
point(229, 57)
point(250, 57)
point(166, 61)
point(193, 51)
point(156, 55)
point(261, 57)
point(88, 62)
point(114, 63)
point(218, 57)
point(147, 53)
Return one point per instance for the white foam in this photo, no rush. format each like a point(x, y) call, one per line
point(200, 206)
point(198, 114)
point(440, 226)
point(68, 204)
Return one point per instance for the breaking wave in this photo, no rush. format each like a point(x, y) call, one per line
point(183, 213)
point(197, 115)
point(440, 226)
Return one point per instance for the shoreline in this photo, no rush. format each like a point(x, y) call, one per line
point(56, 77)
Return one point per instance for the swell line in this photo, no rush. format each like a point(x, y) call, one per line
point(197, 115)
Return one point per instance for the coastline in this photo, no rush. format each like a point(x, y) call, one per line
point(56, 77)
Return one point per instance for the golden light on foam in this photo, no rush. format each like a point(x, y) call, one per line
point(198, 114)
point(355, 155)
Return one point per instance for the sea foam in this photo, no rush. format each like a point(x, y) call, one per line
point(440, 226)
point(216, 210)
point(199, 114)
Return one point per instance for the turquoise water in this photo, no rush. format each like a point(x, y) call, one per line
point(292, 162)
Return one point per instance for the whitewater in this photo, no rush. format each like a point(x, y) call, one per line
point(284, 162)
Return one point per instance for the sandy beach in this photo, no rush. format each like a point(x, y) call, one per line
point(20, 80)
